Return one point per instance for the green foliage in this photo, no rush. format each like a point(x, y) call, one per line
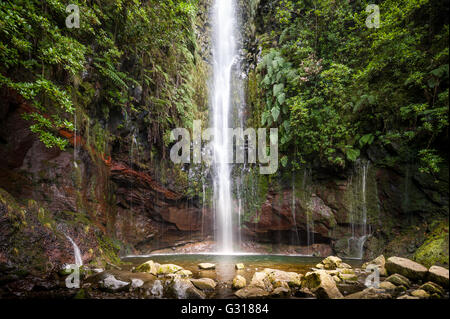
point(352, 86)
point(121, 46)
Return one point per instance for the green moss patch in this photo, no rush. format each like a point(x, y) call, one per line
point(435, 248)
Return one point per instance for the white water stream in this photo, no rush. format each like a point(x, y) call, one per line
point(76, 252)
point(224, 56)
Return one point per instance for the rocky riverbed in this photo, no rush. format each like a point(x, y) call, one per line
point(331, 278)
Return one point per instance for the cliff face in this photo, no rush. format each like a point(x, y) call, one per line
point(114, 190)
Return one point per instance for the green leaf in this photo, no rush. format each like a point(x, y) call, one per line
point(281, 98)
point(277, 88)
point(353, 154)
point(275, 113)
point(366, 140)
point(284, 161)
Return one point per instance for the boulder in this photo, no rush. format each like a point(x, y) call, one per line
point(350, 287)
point(239, 266)
point(261, 280)
point(321, 284)
point(181, 288)
point(149, 267)
point(239, 282)
point(399, 280)
point(206, 266)
point(136, 283)
point(168, 269)
point(251, 293)
point(391, 288)
point(370, 293)
point(439, 275)
point(204, 283)
point(420, 293)
point(278, 277)
point(408, 268)
point(386, 285)
point(331, 262)
point(432, 288)
point(111, 284)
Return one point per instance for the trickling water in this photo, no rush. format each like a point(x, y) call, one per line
point(203, 208)
point(239, 194)
point(294, 200)
point(76, 252)
point(358, 218)
point(306, 197)
point(224, 54)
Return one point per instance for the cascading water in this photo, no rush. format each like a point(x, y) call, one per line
point(224, 56)
point(359, 215)
point(76, 252)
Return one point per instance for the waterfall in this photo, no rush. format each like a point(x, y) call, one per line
point(224, 56)
point(76, 252)
point(293, 206)
point(358, 218)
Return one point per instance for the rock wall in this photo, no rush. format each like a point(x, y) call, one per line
point(130, 202)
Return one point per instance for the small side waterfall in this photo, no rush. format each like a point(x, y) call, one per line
point(358, 218)
point(293, 206)
point(76, 252)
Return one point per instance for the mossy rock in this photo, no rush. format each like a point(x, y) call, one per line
point(435, 248)
point(148, 267)
point(168, 269)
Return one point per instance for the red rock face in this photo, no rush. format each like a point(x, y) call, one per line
point(132, 205)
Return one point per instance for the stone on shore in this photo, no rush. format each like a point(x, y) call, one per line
point(370, 293)
point(420, 293)
point(432, 288)
point(204, 283)
point(181, 288)
point(168, 269)
point(386, 285)
point(136, 283)
point(239, 282)
point(239, 266)
point(439, 275)
point(251, 293)
point(331, 262)
point(261, 280)
point(399, 280)
point(408, 268)
point(110, 283)
point(321, 284)
point(278, 277)
point(149, 267)
point(206, 266)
